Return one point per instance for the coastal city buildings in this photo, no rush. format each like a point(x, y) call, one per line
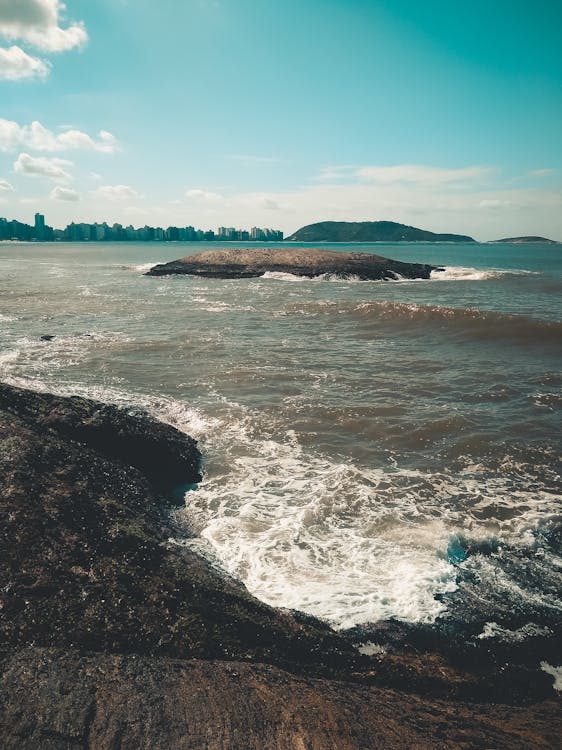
point(41, 232)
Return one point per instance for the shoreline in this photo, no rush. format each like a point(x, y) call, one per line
point(95, 588)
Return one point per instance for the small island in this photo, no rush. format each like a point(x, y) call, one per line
point(246, 263)
point(370, 231)
point(531, 240)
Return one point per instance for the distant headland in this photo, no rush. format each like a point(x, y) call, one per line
point(370, 231)
point(528, 241)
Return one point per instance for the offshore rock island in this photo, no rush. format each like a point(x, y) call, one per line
point(309, 262)
point(113, 635)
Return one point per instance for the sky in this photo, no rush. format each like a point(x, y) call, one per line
point(443, 115)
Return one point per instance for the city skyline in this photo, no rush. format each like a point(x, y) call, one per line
point(446, 118)
point(40, 231)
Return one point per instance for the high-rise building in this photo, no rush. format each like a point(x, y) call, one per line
point(39, 227)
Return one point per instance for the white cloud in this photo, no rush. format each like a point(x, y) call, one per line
point(64, 194)
point(76, 139)
point(542, 172)
point(259, 201)
point(270, 204)
point(487, 207)
point(421, 174)
point(5, 186)
point(38, 23)
point(494, 204)
point(132, 211)
point(116, 192)
point(254, 159)
point(39, 138)
point(42, 167)
point(204, 195)
point(15, 65)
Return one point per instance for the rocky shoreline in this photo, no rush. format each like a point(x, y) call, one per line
point(244, 263)
point(116, 633)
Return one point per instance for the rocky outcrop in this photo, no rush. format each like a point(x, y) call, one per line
point(370, 231)
point(113, 636)
point(86, 555)
point(61, 700)
point(310, 262)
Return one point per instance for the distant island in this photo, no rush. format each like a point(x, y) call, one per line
point(310, 262)
point(528, 241)
point(370, 231)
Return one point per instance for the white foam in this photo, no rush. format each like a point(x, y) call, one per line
point(281, 276)
point(8, 357)
point(349, 544)
point(555, 672)
point(141, 267)
point(37, 357)
point(371, 649)
point(304, 532)
point(530, 630)
point(460, 273)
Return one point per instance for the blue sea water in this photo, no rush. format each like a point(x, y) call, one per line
point(368, 446)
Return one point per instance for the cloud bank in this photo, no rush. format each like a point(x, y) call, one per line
point(54, 169)
point(36, 23)
point(16, 64)
point(116, 192)
point(37, 137)
point(64, 194)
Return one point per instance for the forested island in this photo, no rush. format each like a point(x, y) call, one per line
point(530, 240)
point(370, 231)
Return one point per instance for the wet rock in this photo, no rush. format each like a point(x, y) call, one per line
point(56, 700)
point(165, 456)
point(86, 554)
point(238, 263)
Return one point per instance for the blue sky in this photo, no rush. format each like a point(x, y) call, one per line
point(250, 112)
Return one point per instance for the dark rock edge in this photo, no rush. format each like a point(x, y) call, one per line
point(112, 636)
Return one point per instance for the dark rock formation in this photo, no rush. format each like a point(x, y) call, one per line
point(370, 231)
point(85, 551)
point(61, 700)
point(529, 241)
point(310, 262)
point(111, 636)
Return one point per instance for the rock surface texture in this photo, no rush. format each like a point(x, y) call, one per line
point(237, 263)
point(113, 637)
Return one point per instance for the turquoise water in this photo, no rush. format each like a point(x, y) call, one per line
point(361, 439)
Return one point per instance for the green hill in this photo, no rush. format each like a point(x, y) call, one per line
point(370, 231)
point(529, 241)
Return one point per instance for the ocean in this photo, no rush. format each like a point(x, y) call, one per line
point(372, 450)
